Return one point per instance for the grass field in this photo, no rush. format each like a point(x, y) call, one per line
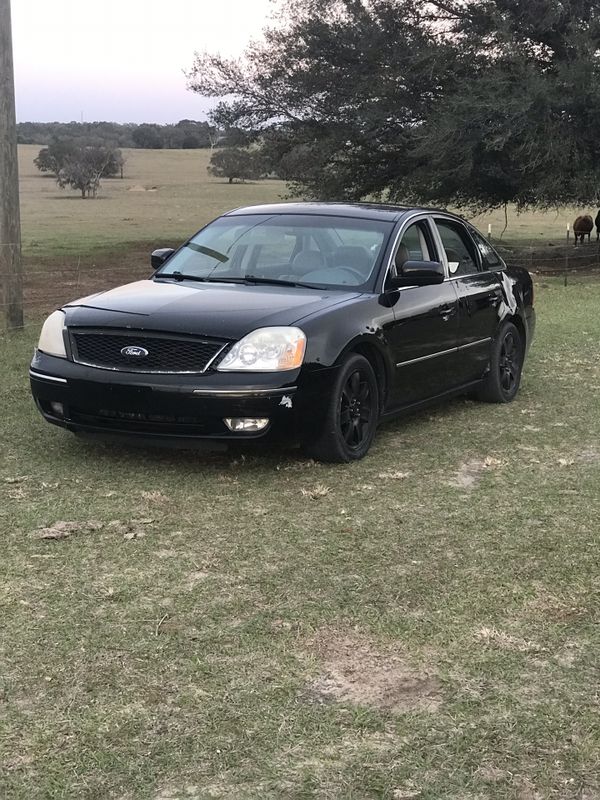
point(423, 624)
point(178, 626)
point(164, 196)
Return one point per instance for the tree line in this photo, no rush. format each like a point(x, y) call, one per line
point(185, 134)
point(474, 103)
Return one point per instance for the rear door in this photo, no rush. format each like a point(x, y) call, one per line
point(479, 295)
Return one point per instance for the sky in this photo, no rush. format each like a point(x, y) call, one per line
point(122, 60)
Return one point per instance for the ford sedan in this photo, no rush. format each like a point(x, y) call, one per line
point(309, 321)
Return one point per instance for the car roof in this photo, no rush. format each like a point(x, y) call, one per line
point(375, 211)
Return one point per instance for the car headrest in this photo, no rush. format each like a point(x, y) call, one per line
point(308, 260)
point(402, 255)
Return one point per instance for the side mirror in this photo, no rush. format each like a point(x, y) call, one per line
point(158, 257)
point(418, 273)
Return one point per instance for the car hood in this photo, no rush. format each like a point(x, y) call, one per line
point(227, 311)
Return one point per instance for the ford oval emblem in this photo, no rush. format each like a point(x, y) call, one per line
point(134, 352)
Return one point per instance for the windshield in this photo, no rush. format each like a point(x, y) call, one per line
point(300, 249)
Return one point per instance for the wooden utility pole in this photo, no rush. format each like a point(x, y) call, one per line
point(11, 275)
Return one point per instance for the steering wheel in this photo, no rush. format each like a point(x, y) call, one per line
point(354, 272)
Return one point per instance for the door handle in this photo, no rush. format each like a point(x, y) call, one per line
point(447, 312)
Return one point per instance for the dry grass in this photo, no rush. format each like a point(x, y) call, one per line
point(422, 624)
point(165, 195)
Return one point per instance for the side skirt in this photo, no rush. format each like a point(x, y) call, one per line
point(429, 401)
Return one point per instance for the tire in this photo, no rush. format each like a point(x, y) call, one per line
point(351, 416)
point(506, 365)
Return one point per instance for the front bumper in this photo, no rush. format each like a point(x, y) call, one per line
point(113, 404)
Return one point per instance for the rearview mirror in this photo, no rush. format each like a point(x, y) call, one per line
point(418, 273)
point(158, 257)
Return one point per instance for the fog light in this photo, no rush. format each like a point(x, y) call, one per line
point(248, 424)
point(58, 409)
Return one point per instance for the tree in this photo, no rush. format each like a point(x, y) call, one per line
point(84, 168)
point(471, 102)
point(236, 164)
point(148, 136)
point(63, 153)
point(54, 157)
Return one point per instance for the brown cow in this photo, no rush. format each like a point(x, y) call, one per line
point(597, 221)
point(582, 227)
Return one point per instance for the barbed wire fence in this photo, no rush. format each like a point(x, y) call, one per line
point(46, 287)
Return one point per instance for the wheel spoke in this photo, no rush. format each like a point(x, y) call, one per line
point(354, 383)
point(348, 433)
point(345, 416)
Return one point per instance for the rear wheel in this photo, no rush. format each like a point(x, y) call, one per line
point(351, 416)
point(506, 365)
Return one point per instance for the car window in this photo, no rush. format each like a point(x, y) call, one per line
point(322, 250)
point(489, 257)
point(460, 251)
point(413, 246)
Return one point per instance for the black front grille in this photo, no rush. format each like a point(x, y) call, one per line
point(159, 353)
point(149, 423)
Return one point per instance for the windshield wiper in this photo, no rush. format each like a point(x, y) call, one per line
point(277, 282)
point(184, 276)
point(179, 276)
point(246, 279)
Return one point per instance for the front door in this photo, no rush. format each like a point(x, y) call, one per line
point(424, 333)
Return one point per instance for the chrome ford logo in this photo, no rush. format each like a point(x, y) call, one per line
point(134, 351)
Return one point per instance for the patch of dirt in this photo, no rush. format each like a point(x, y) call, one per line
point(50, 282)
point(137, 187)
point(553, 258)
point(63, 529)
point(129, 529)
point(320, 490)
point(357, 671)
point(555, 608)
point(470, 473)
point(194, 579)
point(506, 641)
point(493, 774)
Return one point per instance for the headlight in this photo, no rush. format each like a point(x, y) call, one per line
point(51, 338)
point(266, 350)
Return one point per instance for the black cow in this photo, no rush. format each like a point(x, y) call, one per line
point(582, 227)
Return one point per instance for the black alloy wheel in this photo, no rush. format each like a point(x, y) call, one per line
point(356, 409)
point(510, 363)
point(351, 415)
point(506, 364)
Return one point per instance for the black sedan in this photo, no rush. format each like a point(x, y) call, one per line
point(313, 321)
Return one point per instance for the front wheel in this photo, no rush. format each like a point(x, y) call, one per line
point(506, 365)
point(351, 415)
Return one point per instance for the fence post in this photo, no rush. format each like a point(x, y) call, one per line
point(567, 252)
point(489, 231)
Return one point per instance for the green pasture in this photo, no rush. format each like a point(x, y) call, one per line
point(422, 624)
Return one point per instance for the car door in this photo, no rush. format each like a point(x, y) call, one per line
point(479, 295)
point(424, 333)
